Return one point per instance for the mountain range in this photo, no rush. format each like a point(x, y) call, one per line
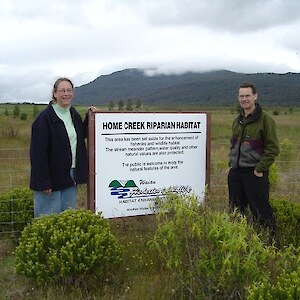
point(214, 88)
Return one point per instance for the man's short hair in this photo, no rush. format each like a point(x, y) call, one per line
point(247, 84)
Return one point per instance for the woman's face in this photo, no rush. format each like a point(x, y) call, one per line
point(64, 94)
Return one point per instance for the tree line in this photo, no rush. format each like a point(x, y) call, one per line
point(127, 105)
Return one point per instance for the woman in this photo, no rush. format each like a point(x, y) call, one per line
point(58, 153)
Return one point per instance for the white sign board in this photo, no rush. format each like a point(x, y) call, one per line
point(142, 156)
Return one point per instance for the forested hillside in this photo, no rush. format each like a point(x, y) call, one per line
point(216, 88)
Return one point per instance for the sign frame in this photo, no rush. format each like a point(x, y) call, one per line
point(92, 151)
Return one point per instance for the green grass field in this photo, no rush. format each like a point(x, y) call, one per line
point(146, 279)
point(15, 139)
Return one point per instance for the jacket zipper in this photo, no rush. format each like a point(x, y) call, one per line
point(240, 143)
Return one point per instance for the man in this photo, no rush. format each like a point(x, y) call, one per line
point(254, 146)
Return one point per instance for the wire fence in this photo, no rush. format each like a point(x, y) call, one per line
point(15, 172)
point(12, 222)
point(15, 214)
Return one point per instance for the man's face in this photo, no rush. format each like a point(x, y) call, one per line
point(247, 99)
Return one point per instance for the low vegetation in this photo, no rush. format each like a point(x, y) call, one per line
point(73, 247)
point(218, 255)
point(16, 210)
point(186, 251)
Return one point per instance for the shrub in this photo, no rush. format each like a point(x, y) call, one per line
point(221, 165)
point(73, 246)
point(23, 116)
point(273, 174)
point(286, 152)
point(291, 109)
point(287, 216)
point(16, 111)
point(287, 287)
point(35, 111)
point(215, 255)
point(16, 209)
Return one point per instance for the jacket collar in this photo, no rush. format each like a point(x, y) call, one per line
point(54, 116)
point(251, 117)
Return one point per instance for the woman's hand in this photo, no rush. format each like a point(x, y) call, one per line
point(94, 109)
point(48, 191)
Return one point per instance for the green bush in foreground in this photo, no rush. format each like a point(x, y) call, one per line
point(73, 246)
point(287, 287)
point(214, 255)
point(16, 209)
point(287, 216)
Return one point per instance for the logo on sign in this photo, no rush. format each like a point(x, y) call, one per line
point(129, 189)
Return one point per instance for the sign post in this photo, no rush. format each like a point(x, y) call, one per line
point(137, 157)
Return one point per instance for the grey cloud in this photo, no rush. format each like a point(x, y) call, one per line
point(83, 39)
point(289, 39)
point(55, 11)
point(229, 15)
point(25, 85)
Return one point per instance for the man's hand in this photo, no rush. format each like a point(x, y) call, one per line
point(258, 174)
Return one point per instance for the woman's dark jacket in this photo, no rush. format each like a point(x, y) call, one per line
point(50, 152)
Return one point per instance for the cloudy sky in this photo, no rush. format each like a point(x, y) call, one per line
point(41, 40)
